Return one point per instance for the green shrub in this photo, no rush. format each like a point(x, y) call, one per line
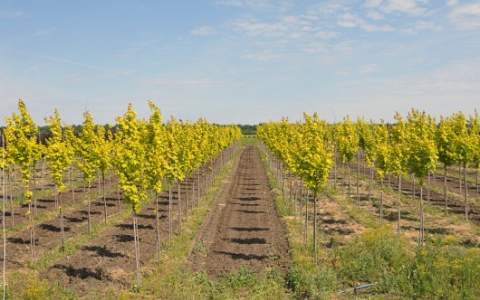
point(312, 283)
point(377, 256)
point(448, 272)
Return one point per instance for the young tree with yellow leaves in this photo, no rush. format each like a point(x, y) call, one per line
point(475, 133)
point(156, 163)
point(21, 135)
point(59, 155)
point(130, 163)
point(397, 158)
point(3, 165)
point(464, 148)
point(103, 149)
point(422, 154)
point(445, 142)
point(347, 141)
point(87, 159)
point(382, 156)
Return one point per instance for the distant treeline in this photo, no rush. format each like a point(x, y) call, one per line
point(44, 131)
point(248, 129)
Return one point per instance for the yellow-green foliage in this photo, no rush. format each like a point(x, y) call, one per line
point(382, 150)
point(21, 136)
point(59, 152)
point(347, 139)
point(87, 159)
point(303, 147)
point(422, 152)
point(130, 158)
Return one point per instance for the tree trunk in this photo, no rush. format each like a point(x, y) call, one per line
point(465, 190)
point(137, 248)
point(358, 176)
point(4, 231)
point(193, 192)
point(315, 227)
point(460, 179)
point(413, 190)
point(105, 213)
point(157, 222)
point(70, 179)
point(295, 202)
point(476, 180)
point(179, 207)
point(169, 211)
point(62, 227)
point(370, 182)
point(32, 234)
point(381, 199)
point(445, 197)
point(305, 231)
point(89, 209)
point(349, 175)
point(10, 195)
point(118, 196)
point(34, 199)
point(421, 238)
point(334, 169)
point(399, 208)
point(429, 187)
point(198, 186)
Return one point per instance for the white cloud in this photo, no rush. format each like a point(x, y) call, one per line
point(427, 26)
point(369, 69)
point(452, 2)
point(349, 20)
point(256, 28)
point(412, 7)
point(326, 34)
point(373, 3)
point(453, 87)
point(43, 32)
point(374, 15)
point(404, 6)
point(262, 56)
point(466, 16)
point(457, 80)
point(11, 14)
point(168, 82)
point(281, 5)
point(203, 31)
point(245, 3)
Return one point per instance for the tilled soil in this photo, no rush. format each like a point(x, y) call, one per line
point(244, 229)
point(48, 233)
point(455, 205)
point(43, 203)
point(108, 261)
point(435, 225)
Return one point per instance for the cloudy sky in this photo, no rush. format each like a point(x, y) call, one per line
point(240, 60)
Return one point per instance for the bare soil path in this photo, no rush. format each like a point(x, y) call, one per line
point(244, 229)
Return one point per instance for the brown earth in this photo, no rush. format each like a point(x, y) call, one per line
point(435, 225)
point(48, 233)
point(108, 261)
point(456, 205)
point(16, 213)
point(244, 229)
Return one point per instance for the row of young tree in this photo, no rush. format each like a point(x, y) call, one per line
point(415, 145)
point(142, 155)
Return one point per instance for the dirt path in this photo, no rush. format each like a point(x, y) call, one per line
point(244, 229)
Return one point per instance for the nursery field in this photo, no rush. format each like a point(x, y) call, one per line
point(154, 209)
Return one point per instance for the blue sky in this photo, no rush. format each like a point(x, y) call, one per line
point(240, 60)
